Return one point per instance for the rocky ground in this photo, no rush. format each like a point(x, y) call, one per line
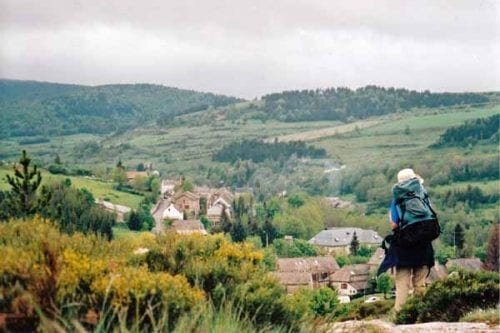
point(379, 326)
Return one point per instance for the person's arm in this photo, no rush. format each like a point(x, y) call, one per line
point(393, 216)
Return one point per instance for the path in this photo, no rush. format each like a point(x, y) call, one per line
point(361, 326)
point(157, 212)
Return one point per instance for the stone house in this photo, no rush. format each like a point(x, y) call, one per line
point(351, 280)
point(171, 213)
point(318, 268)
point(294, 280)
point(187, 202)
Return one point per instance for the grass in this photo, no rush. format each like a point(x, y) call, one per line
point(98, 188)
point(488, 316)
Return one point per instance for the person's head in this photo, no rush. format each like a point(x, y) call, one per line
point(407, 174)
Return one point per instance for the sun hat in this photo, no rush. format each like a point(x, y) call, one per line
point(407, 174)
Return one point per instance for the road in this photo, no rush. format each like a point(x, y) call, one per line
point(157, 213)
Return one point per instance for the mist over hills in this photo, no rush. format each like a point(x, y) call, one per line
point(31, 108)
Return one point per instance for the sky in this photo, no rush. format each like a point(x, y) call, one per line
point(252, 48)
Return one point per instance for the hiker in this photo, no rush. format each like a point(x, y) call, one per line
point(409, 247)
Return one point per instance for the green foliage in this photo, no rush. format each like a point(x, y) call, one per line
point(471, 132)
point(303, 222)
point(38, 109)
point(259, 151)
point(293, 249)
point(24, 184)
point(345, 104)
point(74, 210)
point(385, 284)
point(450, 299)
point(119, 175)
point(324, 301)
point(134, 221)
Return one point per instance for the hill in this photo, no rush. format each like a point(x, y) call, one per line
point(29, 108)
point(344, 104)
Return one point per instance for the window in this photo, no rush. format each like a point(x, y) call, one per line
point(343, 286)
point(186, 206)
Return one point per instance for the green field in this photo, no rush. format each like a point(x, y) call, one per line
point(97, 188)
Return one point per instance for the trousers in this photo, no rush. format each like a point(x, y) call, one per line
point(408, 278)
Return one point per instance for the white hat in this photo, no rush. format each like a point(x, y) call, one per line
point(407, 174)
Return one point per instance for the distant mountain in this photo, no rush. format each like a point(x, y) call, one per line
point(30, 108)
point(345, 104)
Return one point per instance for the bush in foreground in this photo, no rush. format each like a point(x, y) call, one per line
point(450, 299)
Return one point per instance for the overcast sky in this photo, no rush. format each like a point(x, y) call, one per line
point(250, 48)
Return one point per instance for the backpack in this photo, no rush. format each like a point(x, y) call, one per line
point(418, 222)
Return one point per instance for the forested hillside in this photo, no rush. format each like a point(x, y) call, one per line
point(346, 104)
point(471, 132)
point(29, 108)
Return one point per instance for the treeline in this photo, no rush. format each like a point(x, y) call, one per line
point(345, 104)
point(470, 133)
point(47, 109)
point(259, 151)
point(472, 196)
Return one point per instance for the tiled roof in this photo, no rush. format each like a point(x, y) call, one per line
point(309, 264)
point(343, 236)
point(186, 227)
point(358, 274)
point(293, 278)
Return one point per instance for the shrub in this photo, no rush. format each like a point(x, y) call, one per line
point(450, 299)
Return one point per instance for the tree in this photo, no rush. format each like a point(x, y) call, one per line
point(384, 284)
point(268, 233)
point(354, 244)
point(119, 176)
point(238, 232)
point(134, 221)
point(492, 255)
point(24, 186)
point(458, 237)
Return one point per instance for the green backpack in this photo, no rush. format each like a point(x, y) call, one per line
point(418, 221)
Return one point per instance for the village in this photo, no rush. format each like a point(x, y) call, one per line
point(201, 209)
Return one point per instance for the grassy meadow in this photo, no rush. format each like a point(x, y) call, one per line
point(98, 188)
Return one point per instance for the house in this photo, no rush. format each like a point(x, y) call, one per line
point(167, 188)
point(119, 210)
point(188, 227)
point(319, 268)
point(172, 213)
point(335, 238)
point(351, 280)
point(214, 214)
point(294, 280)
point(468, 264)
point(187, 202)
point(132, 175)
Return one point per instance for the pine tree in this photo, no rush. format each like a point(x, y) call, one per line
point(134, 221)
point(25, 183)
point(238, 232)
point(458, 238)
point(492, 254)
point(354, 244)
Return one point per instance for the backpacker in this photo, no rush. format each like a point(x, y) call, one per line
point(418, 222)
